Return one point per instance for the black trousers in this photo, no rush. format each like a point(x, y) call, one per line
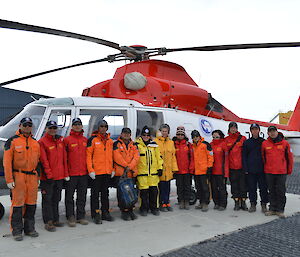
point(183, 184)
point(218, 188)
point(277, 188)
point(238, 183)
point(17, 218)
point(164, 191)
point(254, 180)
point(149, 199)
point(78, 184)
point(51, 196)
point(201, 183)
point(100, 186)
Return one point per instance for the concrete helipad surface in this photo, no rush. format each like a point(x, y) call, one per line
point(145, 236)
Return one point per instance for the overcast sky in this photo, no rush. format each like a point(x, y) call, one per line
point(253, 84)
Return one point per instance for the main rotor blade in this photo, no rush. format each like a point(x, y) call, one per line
point(49, 71)
point(32, 28)
point(233, 47)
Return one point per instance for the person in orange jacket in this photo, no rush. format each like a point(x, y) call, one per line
point(21, 157)
point(99, 154)
point(237, 176)
point(75, 145)
point(54, 172)
point(278, 163)
point(203, 158)
point(168, 152)
point(126, 157)
point(220, 171)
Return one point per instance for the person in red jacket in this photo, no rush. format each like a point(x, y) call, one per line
point(55, 170)
point(185, 163)
point(278, 163)
point(234, 143)
point(75, 145)
point(220, 171)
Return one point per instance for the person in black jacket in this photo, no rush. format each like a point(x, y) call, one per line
point(254, 168)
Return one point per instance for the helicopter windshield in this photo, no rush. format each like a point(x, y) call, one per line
point(35, 112)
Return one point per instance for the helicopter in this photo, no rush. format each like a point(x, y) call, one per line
point(144, 91)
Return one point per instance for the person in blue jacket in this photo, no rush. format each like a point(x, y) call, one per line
point(254, 168)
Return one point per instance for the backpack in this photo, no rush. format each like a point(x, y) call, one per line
point(127, 192)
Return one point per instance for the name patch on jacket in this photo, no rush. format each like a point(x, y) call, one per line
point(269, 147)
point(18, 146)
point(73, 145)
point(279, 147)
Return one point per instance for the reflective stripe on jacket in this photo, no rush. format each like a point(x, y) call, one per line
point(20, 153)
point(53, 157)
point(203, 156)
point(167, 150)
point(235, 155)
point(278, 158)
point(125, 156)
point(99, 154)
point(76, 153)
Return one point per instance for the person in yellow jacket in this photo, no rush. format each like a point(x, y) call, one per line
point(149, 167)
point(203, 158)
point(99, 159)
point(21, 157)
point(168, 153)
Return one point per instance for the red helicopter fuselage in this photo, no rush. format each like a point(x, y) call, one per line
point(170, 86)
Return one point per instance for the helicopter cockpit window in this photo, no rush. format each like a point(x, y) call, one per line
point(150, 119)
point(63, 120)
point(35, 112)
point(116, 119)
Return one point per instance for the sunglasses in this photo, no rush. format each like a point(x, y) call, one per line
point(145, 135)
point(77, 124)
point(180, 135)
point(52, 128)
point(27, 125)
point(216, 137)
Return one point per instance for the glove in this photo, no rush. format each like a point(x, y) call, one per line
point(67, 178)
point(92, 175)
point(209, 171)
point(11, 185)
point(160, 172)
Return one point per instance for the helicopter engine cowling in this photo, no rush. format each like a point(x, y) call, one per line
point(134, 81)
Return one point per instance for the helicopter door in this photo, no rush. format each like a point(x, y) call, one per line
point(152, 119)
point(116, 119)
point(63, 119)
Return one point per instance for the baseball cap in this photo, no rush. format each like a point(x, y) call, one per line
point(126, 130)
point(272, 128)
point(26, 120)
point(254, 125)
point(76, 120)
point(102, 123)
point(195, 133)
point(51, 123)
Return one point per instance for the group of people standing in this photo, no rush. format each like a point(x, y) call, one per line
point(151, 163)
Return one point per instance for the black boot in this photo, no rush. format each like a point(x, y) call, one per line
point(252, 207)
point(106, 216)
point(243, 204)
point(236, 204)
point(125, 215)
point(29, 221)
